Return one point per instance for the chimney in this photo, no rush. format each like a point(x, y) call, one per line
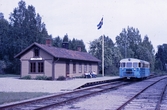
point(79, 48)
point(48, 41)
point(65, 45)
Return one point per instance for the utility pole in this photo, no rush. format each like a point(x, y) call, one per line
point(125, 45)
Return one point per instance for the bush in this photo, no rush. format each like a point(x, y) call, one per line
point(61, 78)
point(2, 66)
point(26, 77)
point(49, 78)
point(41, 78)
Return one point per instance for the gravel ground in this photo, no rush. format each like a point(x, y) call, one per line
point(19, 85)
point(105, 101)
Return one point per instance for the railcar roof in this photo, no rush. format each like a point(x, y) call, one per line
point(132, 60)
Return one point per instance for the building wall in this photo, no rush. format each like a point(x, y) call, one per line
point(95, 67)
point(25, 65)
point(48, 59)
point(78, 74)
point(24, 68)
point(60, 69)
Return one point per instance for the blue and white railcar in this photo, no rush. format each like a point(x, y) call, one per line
point(134, 68)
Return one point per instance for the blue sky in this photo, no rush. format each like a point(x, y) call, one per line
point(79, 18)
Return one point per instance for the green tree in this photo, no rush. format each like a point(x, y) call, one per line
point(72, 44)
point(65, 39)
point(127, 41)
point(145, 51)
point(4, 29)
point(75, 44)
point(161, 58)
point(57, 41)
point(112, 55)
point(25, 28)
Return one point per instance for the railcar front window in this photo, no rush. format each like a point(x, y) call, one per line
point(129, 64)
point(122, 64)
point(135, 65)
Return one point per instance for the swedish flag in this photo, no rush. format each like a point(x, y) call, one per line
point(100, 24)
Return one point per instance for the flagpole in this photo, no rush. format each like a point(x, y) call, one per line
point(103, 55)
point(98, 27)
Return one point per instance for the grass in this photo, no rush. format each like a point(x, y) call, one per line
point(7, 97)
point(9, 75)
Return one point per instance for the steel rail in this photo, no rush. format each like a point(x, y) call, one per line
point(124, 104)
point(160, 99)
point(88, 93)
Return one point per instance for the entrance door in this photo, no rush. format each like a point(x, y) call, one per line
point(67, 69)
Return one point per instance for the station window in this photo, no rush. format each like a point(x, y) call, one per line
point(32, 67)
point(36, 67)
point(74, 67)
point(40, 67)
point(80, 68)
point(36, 52)
point(85, 68)
point(90, 68)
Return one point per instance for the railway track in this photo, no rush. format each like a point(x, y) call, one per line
point(129, 97)
point(152, 96)
point(55, 100)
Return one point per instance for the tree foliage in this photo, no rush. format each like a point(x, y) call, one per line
point(24, 28)
point(127, 41)
point(72, 44)
point(161, 58)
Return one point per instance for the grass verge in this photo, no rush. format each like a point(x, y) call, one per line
point(8, 75)
point(7, 97)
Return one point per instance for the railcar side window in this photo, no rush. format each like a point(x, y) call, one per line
point(143, 65)
point(129, 64)
point(135, 65)
point(147, 65)
point(139, 65)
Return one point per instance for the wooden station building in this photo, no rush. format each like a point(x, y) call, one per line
point(46, 60)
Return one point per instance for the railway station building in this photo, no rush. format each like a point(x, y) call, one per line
point(46, 60)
